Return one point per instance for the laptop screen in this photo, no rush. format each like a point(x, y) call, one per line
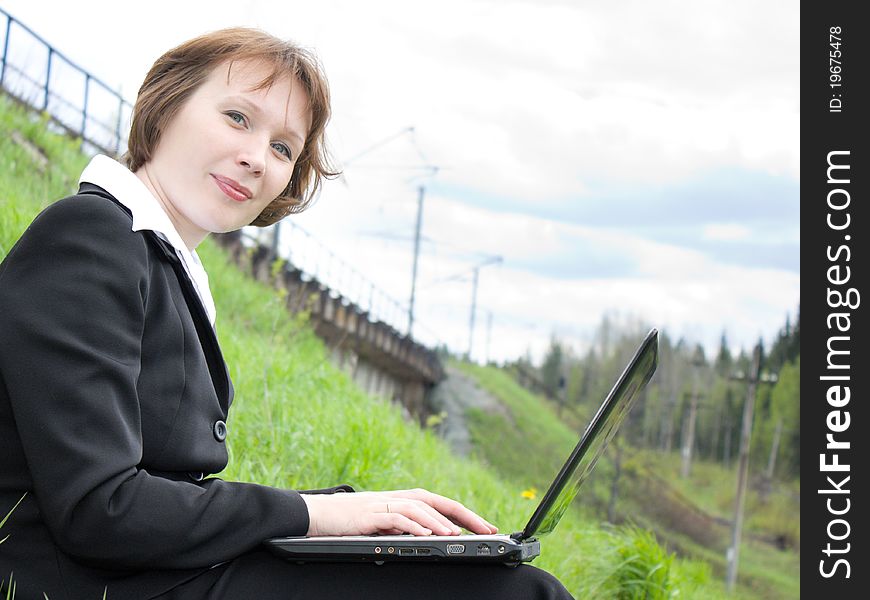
point(596, 437)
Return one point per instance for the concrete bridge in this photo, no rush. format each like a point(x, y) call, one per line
point(382, 361)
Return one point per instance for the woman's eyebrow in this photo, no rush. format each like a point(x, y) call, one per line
point(255, 108)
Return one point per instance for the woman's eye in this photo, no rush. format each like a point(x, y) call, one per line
point(282, 149)
point(236, 117)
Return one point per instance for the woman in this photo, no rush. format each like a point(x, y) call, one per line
point(113, 391)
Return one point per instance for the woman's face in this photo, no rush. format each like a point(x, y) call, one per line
point(229, 150)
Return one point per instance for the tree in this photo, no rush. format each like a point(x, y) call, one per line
point(552, 373)
point(785, 409)
point(786, 347)
point(724, 362)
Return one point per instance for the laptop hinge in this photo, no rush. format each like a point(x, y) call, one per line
point(517, 535)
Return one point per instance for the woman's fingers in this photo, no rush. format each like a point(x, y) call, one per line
point(453, 510)
point(424, 514)
point(366, 513)
point(397, 523)
point(417, 512)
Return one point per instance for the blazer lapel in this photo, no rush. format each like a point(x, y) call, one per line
point(207, 337)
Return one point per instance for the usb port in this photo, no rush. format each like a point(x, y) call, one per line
point(423, 551)
point(406, 551)
point(455, 548)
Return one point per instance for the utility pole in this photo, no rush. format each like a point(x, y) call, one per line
point(726, 449)
point(774, 448)
point(743, 469)
point(717, 425)
point(276, 237)
point(488, 332)
point(689, 438)
point(432, 169)
point(490, 261)
point(666, 426)
point(473, 308)
point(767, 482)
point(416, 254)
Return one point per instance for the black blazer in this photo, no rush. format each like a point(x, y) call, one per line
point(113, 401)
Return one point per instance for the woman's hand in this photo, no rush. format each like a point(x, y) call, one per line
point(417, 512)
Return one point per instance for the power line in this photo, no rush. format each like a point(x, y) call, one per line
point(378, 144)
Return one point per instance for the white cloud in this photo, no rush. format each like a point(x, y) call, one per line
point(725, 231)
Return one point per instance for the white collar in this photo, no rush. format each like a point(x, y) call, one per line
point(148, 214)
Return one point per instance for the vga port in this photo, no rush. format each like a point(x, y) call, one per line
point(455, 548)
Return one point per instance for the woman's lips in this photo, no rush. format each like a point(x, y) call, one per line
point(232, 188)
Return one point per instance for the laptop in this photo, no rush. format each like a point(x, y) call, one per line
point(522, 546)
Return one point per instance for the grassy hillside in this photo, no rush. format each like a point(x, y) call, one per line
point(688, 515)
point(299, 422)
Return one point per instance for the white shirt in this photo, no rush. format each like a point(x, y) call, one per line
point(148, 214)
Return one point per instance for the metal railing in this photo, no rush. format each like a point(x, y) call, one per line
point(35, 73)
point(314, 259)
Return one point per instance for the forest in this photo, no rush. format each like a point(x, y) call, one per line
point(695, 402)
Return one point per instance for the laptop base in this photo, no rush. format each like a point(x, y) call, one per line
point(492, 549)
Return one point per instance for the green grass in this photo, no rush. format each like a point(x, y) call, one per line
point(297, 421)
point(545, 440)
point(712, 487)
point(765, 570)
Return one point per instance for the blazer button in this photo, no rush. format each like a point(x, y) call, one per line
point(220, 431)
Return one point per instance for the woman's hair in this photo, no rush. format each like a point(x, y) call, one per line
point(179, 72)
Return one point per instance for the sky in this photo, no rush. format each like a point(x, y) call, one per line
point(624, 158)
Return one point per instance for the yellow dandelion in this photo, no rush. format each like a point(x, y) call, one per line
point(530, 494)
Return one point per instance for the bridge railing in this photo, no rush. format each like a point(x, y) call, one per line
point(37, 74)
point(313, 258)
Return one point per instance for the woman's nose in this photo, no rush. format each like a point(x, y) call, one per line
point(253, 160)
